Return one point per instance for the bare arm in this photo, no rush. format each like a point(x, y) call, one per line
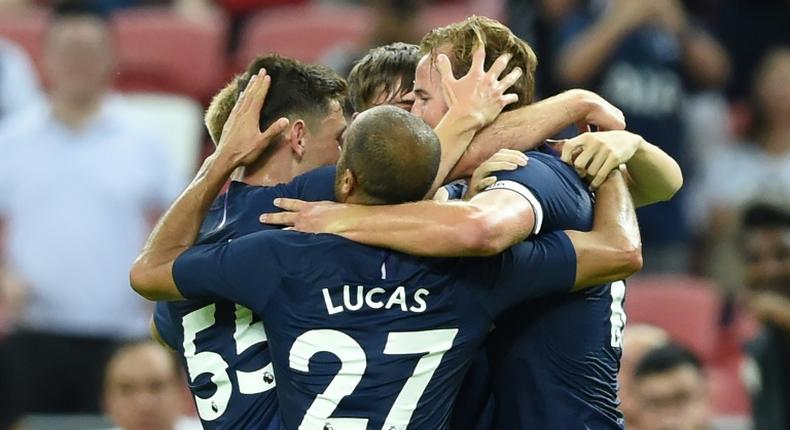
point(486, 225)
point(652, 175)
point(613, 249)
point(527, 127)
point(151, 275)
point(490, 223)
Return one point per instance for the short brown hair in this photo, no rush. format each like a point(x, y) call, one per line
point(298, 91)
point(219, 110)
point(462, 38)
point(379, 70)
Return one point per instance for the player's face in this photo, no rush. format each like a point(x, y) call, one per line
point(398, 98)
point(322, 145)
point(142, 390)
point(428, 98)
point(768, 260)
point(673, 400)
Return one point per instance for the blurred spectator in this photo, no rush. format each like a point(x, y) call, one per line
point(638, 340)
point(395, 21)
point(537, 22)
point(670, 386)
point(636, 53)
point(766, 240)
point(79, 182)
point(767, 24)
point(18, 82)
point(106, 7)
point(142, 389)
point(732, 176)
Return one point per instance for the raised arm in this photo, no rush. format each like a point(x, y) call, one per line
point(242, 142)
point(613, 249)
point(527, 127)
point(473, 102)
point(652, 175)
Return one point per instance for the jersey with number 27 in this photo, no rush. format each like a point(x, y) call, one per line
point(223, 345)
point(366, 338)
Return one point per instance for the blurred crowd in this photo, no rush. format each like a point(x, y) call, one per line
point(101, 127)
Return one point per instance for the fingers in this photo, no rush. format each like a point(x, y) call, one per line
point(292, 205)
point(510, 155)
point(479, 59)
point(275, 129)
point(597, 162)
point(582, 160)
point(611, 164)
point(499, 65)
point(569, 148)
point(511, 78)
point(259, 90)
point(446, 73)
point(279, 218)
point(499, 166)
point(445, 68)
point(485, 183)
point(509, 99)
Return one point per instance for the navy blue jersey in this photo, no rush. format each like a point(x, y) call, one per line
point(223, 345)
point(362, 337)
point(556, 359)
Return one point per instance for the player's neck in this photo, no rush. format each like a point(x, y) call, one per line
point(275, 169)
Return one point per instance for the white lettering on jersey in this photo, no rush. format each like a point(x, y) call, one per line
point(331, 309)
point(355, 300)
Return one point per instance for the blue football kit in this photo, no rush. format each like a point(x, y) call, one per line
point(223, 345)
point(555, 359)
point(367, 338)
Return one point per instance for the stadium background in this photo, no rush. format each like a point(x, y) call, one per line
point(171, 57)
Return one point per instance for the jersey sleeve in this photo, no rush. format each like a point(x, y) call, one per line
point(553, 195)
point(538, 267)
point(242, 271)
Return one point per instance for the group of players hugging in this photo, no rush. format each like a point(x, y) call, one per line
point(444, 266)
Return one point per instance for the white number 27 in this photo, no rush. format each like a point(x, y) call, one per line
point(432, 343)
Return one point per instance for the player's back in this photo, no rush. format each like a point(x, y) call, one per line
point(384, 336)
point(223, 345)
point(555, 360)
point(368, 338)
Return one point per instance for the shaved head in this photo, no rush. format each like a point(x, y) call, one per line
point(392, 155)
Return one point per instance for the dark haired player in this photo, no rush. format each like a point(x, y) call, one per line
point(364, 337)
point(222, 344)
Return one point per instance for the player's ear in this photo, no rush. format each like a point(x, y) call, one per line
point(347, 184)
point(296, 137)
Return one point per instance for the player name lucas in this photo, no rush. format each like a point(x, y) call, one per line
point(375, 298)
